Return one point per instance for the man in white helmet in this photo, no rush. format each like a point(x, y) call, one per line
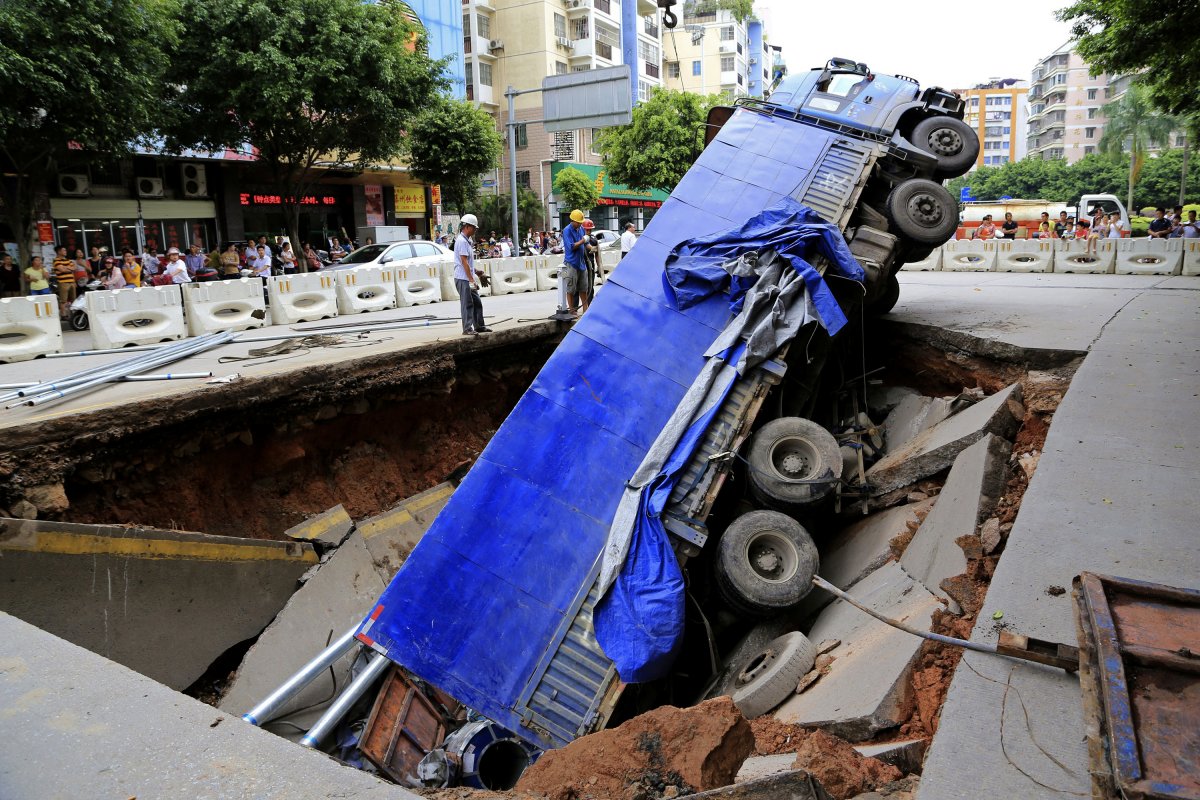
point(469, 304)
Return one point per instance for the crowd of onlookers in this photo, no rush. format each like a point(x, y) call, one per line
point(1101, 225)
point(501, 246)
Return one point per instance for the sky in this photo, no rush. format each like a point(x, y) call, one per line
point(952, 45)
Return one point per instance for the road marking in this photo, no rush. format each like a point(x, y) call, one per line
point(78, 544)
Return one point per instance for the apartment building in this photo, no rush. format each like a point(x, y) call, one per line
point(517, 43)
point(1066, 118)
point(712, 52)
point(999, 113)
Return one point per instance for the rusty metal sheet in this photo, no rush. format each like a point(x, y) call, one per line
point(1140, 675)
point(405, 724)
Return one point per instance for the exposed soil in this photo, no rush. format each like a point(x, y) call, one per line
point(841, 770)
point(663, 753)
point(254, 458)
point(772, 737)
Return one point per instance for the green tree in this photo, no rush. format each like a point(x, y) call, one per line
point(1120, 37)
point(576, 189)
point(494, 211)
point(451, 143)
point(313, 85)
point(1159, 181)
point(78, 81)
point(660, 143)
point(741, 9)
point(1134, 124)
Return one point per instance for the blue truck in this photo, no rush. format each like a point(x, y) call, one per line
point(500, 603)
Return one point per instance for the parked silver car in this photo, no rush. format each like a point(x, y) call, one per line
point(413, 253)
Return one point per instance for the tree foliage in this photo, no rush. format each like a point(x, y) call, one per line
point(1098, 173)
point(450, 143)
point(494, 211)
point(78, 80)
point(1120, 37)
point(659, 145)
point(741, 9)
point(576, 189)
point(311, 84)
point(1134, 124)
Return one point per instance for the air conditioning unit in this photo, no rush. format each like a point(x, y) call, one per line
point(495, 44)
point(753, 60)
point(195, 180)
point(578, 4)
point(74, 185)
point(149, 187)
point(563, 41)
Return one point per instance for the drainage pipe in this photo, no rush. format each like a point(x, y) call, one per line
point(265, 710)
point(357, 688)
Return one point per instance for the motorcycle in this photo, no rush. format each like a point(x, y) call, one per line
point(77, 317)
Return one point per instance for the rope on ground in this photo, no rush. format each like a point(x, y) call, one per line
point(293, 348)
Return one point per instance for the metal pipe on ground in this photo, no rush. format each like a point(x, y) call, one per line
point(87, 374)
point(168, 376)
point(157, 360)
point(265, 710)
point(357, 688)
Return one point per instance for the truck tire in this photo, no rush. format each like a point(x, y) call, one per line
point(768, 677)
point(787, 453)
point(761, 635)
point(923, 211)
point(886, 301)
point(765, 563)
point(953, 142)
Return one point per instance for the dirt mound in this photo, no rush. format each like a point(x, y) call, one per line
point(841, 769)
point(772, 737)
point(689, 749)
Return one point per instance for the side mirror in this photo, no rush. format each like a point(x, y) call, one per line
point(385, 260)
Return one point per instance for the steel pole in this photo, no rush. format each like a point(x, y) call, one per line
point(170, 376)
point(263, 712)
point(357, 688)
point(512, 164)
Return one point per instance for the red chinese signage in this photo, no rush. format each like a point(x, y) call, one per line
point(435, 194)
point(249, 199)
point(625, 203)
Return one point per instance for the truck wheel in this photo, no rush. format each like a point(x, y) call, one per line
point(785, 455)
point(953, 142)
point(751, 644)
point(887, 301)
point(765, 563)
point(767, 679)
point(923, 211)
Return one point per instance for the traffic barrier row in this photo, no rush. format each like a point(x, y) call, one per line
point(29, 328)
point(1142, 256)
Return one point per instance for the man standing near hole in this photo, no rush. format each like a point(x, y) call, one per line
point(469, 304)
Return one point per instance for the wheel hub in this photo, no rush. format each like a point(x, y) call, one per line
point(767, 561)
point(925, 208)
point(794, 464)
point(945, 142)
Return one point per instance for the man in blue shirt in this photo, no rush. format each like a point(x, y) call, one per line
point(574, 274)
point(469, 304)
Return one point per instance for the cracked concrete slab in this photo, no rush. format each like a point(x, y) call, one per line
point(330, 528)
point(936, 448)
point(912, 416)
point(392, 535)
point(972, 489)
point(867, 687)
point(337, 595)
point(165, 603)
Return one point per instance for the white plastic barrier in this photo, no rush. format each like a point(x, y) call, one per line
point(1025, 255)
point(969, 255)
point(302, 297)
point(144, 315)
point(417, 284)
point(931, 263)
point(213, 306)
point(1070, 255)
point(513, 275)
point(1191, 256)
point(364, 289)
point(29, 327)
point(1146, 256)
point(547, 272)
point(483, 265)
point(608, 262)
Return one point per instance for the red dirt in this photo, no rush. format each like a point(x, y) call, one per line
point(772, 737)
point(841, 770)
point(692, 749)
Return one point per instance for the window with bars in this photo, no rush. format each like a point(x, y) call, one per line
point(521, 132)
point(580, 29)
point(523, 178)
point(562, 146)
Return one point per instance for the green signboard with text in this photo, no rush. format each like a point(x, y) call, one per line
point(613, 194)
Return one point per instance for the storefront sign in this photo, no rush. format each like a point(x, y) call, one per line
point(410, 200)
point(374, 209)
point(249, 199)
point(435, 194)
point(624, 203)
point(611, 194)
point(45, 229)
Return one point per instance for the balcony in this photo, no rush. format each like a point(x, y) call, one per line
point(578, 8)
point(728, 47)
point(484, 95)
point(480, 47)
point(650, 27)
point(583, 48)
point(603, 6)
point(652, 70)
point(485, 5)
point(729, 77)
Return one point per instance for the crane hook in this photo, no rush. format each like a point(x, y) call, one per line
point(669, 18)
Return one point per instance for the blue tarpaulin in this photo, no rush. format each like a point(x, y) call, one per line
point(639, 621)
